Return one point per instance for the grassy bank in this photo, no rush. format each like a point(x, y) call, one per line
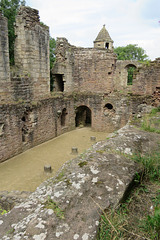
point(139, 216)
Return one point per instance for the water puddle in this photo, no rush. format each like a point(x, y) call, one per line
point(25, 171)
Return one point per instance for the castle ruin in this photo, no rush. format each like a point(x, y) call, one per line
point(90, 86)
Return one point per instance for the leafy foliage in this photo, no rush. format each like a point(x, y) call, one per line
point(52, 46)
point(9, 9)
point(131, 52)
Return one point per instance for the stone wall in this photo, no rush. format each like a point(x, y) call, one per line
point(121, 74)
point(84, 69)
point(111, 112)
point(93, 70)
point(63, 67)
point(4, 60)
point(22, 88)
point(89, 69)
point(32, 50)
point(23, 125)
point(147, 79)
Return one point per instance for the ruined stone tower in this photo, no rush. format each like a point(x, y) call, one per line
point(103, 40)
point(32, 50)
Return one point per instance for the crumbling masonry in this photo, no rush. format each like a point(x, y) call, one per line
point(90, 86)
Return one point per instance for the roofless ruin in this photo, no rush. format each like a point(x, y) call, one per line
point(90, 86)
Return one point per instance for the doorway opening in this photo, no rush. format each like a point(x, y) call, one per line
point(83, 116)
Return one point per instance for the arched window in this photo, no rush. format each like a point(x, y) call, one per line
point(130, 69)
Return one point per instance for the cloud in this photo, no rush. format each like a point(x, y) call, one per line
point(128, 21)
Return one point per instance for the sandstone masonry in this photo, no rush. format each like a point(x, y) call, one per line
point(4, 60)
point(32, 50)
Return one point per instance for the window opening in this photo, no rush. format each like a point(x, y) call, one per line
point(130, 70)
point(109, 106)
point(107, 45)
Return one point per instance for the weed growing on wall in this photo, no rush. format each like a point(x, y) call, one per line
point(2, 211)
point(50, 204)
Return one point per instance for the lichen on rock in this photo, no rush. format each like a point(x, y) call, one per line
point(82, 192)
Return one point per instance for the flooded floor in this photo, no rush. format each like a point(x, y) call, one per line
point(25, 171)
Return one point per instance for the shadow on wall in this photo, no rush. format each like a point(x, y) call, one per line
point(63, 117)
point(83, 116)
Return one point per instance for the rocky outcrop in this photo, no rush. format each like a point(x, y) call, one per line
point(69, 206)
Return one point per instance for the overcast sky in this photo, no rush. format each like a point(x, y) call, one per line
point(127, 21)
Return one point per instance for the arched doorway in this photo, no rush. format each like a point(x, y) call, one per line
point(130, 70)
point(83, 116)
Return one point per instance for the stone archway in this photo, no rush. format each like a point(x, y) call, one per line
point(83, 116)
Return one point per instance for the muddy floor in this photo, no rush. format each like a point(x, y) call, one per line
point(26, 171)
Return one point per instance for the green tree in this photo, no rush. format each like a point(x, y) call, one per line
point(52, 46)
point(9, 9)
point(131, 52)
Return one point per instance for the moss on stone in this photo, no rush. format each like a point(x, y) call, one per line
point(81, 164)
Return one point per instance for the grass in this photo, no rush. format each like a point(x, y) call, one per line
point(2, 211)
point(50, 204)
point(60, 176)
point(10, 231)
point(139, 216)
point(151, 165)
point(154, 111)
point(147, 126)
point(152, 224)
point(149, 123)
